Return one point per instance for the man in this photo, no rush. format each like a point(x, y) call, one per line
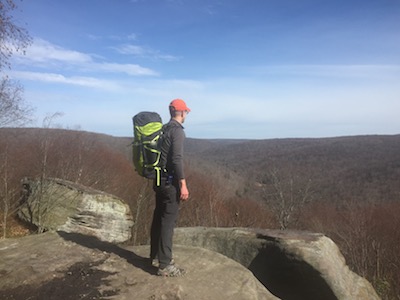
point(170, 192)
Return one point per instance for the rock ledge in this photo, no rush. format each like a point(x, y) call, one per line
point(291, 264)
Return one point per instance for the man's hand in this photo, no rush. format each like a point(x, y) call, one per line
point(184, 190)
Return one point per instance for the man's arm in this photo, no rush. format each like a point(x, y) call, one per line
point(177, 161)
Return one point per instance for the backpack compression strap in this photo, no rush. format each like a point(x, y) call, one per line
point(158, 176)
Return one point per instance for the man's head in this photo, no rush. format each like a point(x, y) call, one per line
point(178, 110)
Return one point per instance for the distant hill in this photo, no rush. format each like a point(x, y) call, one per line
point(364, 168)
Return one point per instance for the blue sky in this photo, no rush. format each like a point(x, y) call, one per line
point(255, 69)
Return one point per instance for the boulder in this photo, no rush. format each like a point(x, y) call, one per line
point(75, 266)
point(290, 264)
point(55, 204)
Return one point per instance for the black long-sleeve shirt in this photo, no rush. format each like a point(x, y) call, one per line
point(172, 149)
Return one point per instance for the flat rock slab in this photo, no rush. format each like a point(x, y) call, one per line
point(74, 266)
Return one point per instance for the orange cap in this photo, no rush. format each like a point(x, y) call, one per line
point(179, 104)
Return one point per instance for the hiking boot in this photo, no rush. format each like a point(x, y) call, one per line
point(155, 263)
point(171, 271)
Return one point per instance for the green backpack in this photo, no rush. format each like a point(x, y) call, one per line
point(147, 133)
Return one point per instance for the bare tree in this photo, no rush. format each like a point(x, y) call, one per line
point(286, 195)
point(9, 183)
point(13, 38)
point(45, 147)
point(46, 142)
point(5, 190)
point(13, 109)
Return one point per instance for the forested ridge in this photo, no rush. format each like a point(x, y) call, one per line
point(360, 167)
point(345, 187)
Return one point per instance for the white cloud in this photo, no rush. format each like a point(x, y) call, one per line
point(59, 78)
point(132, 37)
point(337, 71)
point(144, 52)
point(47, 55)
point(129, 69)
point(130, 49)
point(129, 37)
point(43, 51)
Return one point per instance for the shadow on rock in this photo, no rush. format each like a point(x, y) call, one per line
point(94, 243)
point(80, 281)
point(287, 277)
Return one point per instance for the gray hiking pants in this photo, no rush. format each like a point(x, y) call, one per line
point(164, 220)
